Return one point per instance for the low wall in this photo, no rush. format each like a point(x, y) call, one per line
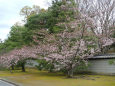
point(101, 66)
point(31, 63)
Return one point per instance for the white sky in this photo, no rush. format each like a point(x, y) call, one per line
point(9, 13)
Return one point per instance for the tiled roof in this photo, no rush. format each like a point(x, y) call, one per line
point(104, 56)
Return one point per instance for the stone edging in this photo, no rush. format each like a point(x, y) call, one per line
point(9, 82)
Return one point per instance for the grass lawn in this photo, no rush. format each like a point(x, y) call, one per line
point(36, 78)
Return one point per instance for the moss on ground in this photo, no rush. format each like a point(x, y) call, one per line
point(34, 77)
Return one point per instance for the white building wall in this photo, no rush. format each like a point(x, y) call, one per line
point(31, 63)
point(101, 66)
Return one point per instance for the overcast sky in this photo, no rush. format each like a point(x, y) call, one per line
point(9, 13)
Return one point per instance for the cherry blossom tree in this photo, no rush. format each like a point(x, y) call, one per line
point(79, 41)
point(13, 57)
point(101, 12)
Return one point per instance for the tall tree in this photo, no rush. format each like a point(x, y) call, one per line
point(27, 11)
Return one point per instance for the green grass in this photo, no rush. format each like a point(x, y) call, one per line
point(34, 77)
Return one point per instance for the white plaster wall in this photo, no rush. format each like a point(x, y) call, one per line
point(101, 66)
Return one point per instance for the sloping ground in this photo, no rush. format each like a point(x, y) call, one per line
point(36, 78)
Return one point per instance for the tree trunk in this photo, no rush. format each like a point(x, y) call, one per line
point(12, 67)
point(23, 67)
point(70, 74)
point(10, 70)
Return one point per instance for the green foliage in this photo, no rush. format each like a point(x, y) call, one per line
point(14, 40)
point(39, 21)
point(57, 29)
point(16, 34)
point(55, 8)
point(18, 37)
point(2, 48)
point(19, 64)
point(112, 62)
point(41, 64)
point(45, 65)
point(48, 19)
point(23, 35)
point(82, 67)
point(73, 39)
